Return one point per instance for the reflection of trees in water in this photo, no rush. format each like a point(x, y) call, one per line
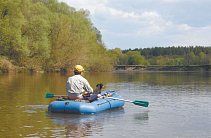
point(83, 130)
point(141, 116)
point(84, 125)
point(77, 125)
point(155, 78)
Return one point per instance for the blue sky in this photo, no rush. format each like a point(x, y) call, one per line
point(133, 24)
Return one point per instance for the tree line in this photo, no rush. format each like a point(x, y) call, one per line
point(181, 55)
point(48, 35)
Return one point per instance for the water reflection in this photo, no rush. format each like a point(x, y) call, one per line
point(77, 125)
point(141, 116)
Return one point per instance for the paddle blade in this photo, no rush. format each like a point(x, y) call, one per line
point(141, 103)
point(49, 95)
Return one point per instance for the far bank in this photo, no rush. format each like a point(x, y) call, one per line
point(164, 68)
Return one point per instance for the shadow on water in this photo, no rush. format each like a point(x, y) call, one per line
point(78, 125)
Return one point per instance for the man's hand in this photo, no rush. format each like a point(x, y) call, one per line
point(87, 93)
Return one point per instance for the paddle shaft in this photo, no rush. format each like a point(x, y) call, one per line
point(59, 95)
point(65, 95)
point(51, 95)
point(119, 99)
point(140, 103)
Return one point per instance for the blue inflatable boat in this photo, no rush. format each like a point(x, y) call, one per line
point(75, 107)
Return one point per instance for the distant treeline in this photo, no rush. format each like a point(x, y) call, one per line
point(162, 51)
point(181, 55)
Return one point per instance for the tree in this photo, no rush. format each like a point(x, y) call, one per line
point(50, 35)
point(171, 62)
point(179, 61)
point(11, 43)
point(115, 54)
point(161, 60)
point(189, 58)
point(134, 58)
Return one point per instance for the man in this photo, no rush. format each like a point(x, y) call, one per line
point(77, 84)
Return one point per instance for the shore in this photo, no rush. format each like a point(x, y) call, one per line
point(164, 68)
point(201, 68)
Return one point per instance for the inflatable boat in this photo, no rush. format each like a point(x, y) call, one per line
point(78, 107)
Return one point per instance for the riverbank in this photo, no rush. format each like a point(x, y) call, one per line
point(164, 68)
point(7, 66)
point(179, 68)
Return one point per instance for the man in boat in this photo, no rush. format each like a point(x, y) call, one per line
point(77, 84)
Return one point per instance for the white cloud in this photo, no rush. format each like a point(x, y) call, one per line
point(195, 36)
point(184, 27)
point(130, 24)
point(150, 15)
point(91, 5)
point(169, 24)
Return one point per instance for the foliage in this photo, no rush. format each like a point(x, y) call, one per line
point(179, 61)
point(197, 55)
point(130, 58)
point(5, 65)
point(162, 51)
point(135, 58)
point(45, 34)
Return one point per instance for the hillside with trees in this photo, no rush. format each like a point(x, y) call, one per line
point(48, 35)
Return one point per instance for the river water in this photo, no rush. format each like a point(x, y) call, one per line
point(179, 106)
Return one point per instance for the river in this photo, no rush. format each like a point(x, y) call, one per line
point(179, 106)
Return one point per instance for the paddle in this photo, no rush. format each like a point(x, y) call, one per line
point(51, 95)
point(140, 103)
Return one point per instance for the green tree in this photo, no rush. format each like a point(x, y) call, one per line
point(161, 60)
point(50, 35)
point(189, 58)
point(179, 61)
point(11, 43)
point(146, 63)
point(123, 60)
point(135, 58)
point(171, 62)
point(115, 54)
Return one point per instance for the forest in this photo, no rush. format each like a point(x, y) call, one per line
point(181, 55)
point(48, 35)
point(45, 35)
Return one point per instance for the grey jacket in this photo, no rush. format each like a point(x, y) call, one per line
point(76, 85)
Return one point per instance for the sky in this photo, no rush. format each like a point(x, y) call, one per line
point(142, 24)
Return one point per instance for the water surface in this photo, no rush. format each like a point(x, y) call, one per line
point(179, 106)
